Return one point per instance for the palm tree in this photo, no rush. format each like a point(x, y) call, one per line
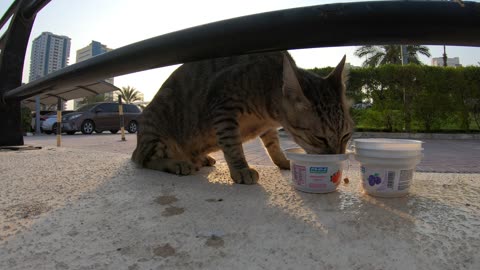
point(130, 94)
point(390, 54)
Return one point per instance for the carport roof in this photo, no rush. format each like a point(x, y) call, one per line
point(73, 92)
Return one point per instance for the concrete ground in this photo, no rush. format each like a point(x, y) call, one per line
point(86, 206)
point(453, 156)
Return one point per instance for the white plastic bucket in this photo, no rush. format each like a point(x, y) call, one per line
point(315, 173)
point(387, 165)
point(388, 144)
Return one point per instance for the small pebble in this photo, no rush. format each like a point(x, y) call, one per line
point(467, 204)
point(345, 180)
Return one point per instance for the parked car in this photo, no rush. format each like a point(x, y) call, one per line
point(100, 117)
point(43, 115)
point(49, 125)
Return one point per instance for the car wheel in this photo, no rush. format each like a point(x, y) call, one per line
point(87, 127)
point(114, 131)
point(54, 129)
point(48, 132)
point(71, 132)
point(98, 131)
point(132, 127)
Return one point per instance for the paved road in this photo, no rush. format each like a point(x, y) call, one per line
point(453, 156)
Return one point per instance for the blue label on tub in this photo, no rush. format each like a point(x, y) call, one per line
point(318, 169)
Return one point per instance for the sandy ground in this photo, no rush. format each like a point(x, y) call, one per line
point(96, 210)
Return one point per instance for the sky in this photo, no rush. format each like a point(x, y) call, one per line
point(117, 23)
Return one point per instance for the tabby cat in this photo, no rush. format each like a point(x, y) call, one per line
point(218, 104)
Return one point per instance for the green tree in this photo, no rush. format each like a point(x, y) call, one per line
point(130, 94)
point(390, 54)
point(26, 119)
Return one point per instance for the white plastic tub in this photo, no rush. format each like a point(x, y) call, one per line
point(388, 144)
point(395, 154)
point(315, 173)
point(387, 165)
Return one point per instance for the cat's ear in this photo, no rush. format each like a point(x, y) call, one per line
point(291, 86)
point(292, 90)
point(340, 73)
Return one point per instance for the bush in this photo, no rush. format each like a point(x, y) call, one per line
point(26, 119)
point(415, 97)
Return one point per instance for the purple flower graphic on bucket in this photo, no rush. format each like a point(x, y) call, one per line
point(374, 179)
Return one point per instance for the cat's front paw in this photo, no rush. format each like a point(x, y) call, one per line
point(247, 176)
point(284, 164)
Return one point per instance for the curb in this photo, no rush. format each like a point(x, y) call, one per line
point(434, 136)
point(398, 135)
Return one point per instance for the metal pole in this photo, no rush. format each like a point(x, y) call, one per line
point(404, 54)
point(59, 122)
point(13, 45)
point(444, 56)
point(120, 113)
point(8, 14)
point(33, 7)
point(37, 115)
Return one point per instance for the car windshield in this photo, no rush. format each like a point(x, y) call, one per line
point(54, 114)
point(85, 108)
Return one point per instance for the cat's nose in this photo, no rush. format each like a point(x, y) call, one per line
point(332, 150)
point(329, 151)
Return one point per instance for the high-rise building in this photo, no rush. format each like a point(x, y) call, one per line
point(451, 62)
point(93, 49)
point(50, 52)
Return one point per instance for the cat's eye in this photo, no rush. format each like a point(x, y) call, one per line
point(346, 137)
point(299, 128)
point(321, 139)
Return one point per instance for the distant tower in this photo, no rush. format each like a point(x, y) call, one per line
point(50, 52)
point(451, 62)
point(91, 50)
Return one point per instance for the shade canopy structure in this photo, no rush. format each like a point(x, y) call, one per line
point(72, 92)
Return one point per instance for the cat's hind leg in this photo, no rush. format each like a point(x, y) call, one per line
point(203, 161)
point(208, 161)
point(167, 156)
point(179, 167)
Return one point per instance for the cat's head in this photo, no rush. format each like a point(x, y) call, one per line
point(315, 108)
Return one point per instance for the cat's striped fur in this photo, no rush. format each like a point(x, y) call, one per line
point(218, 104)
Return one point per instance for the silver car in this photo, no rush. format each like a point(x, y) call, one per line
point(49, 125)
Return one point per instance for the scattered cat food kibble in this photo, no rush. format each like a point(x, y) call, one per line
point(345, 180)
